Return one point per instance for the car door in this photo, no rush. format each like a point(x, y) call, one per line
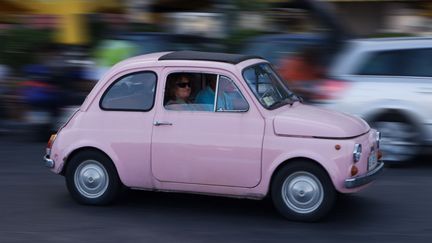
point(122, 121)
point(216, 147)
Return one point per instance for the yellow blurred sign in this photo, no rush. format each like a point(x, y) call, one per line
point(72, 26)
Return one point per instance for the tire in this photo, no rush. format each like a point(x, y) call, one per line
point(303, 191)
point(400, 138)
point(92, 179)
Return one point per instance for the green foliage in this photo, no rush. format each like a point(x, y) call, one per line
point(250, 5)
point(237, 38)
point(388, 35)
point(20, 45)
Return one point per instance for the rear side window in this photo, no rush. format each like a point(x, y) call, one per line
point(382, 63)
point(418, 63)
point(133, 92)
point(411, 62)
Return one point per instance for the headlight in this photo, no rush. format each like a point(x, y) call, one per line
point(378, 138)
point(357, 152)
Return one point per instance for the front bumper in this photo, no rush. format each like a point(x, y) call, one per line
point(48, 162)
point(364, 179)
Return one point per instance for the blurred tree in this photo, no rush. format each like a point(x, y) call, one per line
point(235, 34)
point(250, 5)
point(234, 42)
point(19, 45)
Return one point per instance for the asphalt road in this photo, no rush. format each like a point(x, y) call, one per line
point(35, 207)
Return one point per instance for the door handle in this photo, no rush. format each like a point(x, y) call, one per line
point(158, 123)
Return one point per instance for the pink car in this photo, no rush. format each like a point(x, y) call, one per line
point(211, 123)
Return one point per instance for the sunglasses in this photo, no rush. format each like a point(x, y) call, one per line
point(183, 85)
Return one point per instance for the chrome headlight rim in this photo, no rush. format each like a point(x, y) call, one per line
point(378, 139)
point(357, 152)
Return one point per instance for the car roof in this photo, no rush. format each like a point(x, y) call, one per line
point(413, 38)
point(399, 41)
point(157, 57)
point(287, 37)
point(353, 54)
point(207, 56)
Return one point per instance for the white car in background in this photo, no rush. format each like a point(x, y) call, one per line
point(388, 82)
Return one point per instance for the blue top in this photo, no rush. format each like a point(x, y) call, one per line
point(207, 96)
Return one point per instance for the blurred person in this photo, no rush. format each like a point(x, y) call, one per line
point(4, 73)
point(42, 98)
point(302, 72)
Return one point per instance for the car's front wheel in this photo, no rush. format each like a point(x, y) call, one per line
point(303, 191)
point(91, 178)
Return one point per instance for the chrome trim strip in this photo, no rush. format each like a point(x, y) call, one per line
point(49, 162)
point(337, 138)
point(216, 93)
point(365, 179)
point(332, 138)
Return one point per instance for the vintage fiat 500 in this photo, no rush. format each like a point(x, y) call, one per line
point(212, 123)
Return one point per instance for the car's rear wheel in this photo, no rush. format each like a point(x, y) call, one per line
point(400, 139)
point(91, 178)
point(303, 191)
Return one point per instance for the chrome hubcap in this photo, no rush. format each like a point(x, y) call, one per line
point(302, 192)
point(91, 179)
point(398, 142)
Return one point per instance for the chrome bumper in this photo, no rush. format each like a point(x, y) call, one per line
point(365, 179)
point(48, 162)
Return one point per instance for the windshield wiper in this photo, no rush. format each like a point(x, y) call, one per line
point(295, 97)
point(298, 98)
point(280, 103)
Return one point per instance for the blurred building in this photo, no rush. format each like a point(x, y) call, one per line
point(66, 15)
point(368, 17)
point(398, 16)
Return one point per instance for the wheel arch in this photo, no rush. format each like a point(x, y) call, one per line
point(85, 149)
point(294, 160)
point(397, 114)
point(318, 202)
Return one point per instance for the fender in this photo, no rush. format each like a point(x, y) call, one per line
point(331, 167)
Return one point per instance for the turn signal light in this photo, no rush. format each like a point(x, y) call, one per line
point(379, 155)
point(51, 140)
point(354, 170)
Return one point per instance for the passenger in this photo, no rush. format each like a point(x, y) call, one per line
point(207, 95)
point(179, 91)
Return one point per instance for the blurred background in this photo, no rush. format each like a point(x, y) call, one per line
point(341, 54)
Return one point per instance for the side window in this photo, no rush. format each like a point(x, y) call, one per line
point(133, 92)
point(418, 63)
point(408, 62)
point(229, 97)
point(382, 63)
point(197, 92)
point(182, 91)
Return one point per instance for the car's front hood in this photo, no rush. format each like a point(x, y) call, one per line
point(310, 121)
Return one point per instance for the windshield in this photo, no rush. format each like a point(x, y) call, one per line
point(267, 86)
